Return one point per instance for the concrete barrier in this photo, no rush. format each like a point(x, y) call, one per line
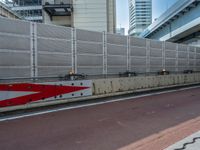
point(113, 85)
point(117, 86)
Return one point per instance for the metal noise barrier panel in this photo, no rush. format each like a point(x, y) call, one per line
point(54, 50)
point(38, 50)
point(89, 52)
point(139, 55)
point(117, 53)
point(15, 51)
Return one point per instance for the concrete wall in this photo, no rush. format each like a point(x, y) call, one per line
point(111, 16)
point(90, 14)
point(57, 20)
point(114, 85)
point(62, 20)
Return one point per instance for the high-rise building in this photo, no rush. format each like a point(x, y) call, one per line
point(120, 31)
point(30, 10)
point(94, 15)
point(140, 16)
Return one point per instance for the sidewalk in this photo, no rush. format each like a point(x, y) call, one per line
point(163, 140)
point(192, 142)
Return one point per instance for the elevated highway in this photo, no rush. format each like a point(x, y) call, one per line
point(180, 23)
point(7, 12)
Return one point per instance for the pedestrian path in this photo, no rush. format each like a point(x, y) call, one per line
point(190, 143)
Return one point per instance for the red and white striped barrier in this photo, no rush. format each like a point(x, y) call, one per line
point(23, 93)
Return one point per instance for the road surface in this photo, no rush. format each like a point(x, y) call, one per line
point(132, 124)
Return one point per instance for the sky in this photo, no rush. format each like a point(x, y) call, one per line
point(159, 7)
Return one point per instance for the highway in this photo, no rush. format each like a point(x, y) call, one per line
point(118, 125)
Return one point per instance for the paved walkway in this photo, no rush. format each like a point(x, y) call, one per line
point(192, 142)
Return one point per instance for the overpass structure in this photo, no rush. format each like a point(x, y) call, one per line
point(7, 12)
point(180, 24)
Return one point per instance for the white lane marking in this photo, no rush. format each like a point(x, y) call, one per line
point(94, 104)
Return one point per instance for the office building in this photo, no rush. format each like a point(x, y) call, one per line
point(120, 31)
point(94, 15)
point(30, 10)
point(140, 16)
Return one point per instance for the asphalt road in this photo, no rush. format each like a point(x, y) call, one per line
point(109, 126)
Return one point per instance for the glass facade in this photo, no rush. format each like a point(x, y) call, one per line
point(30, 13)
point(28, 9)
point(27, 2)
point(140, 16)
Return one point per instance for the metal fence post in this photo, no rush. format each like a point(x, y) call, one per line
point(163, 55)
point(148, 56)
point(128, 54)
point(74, 51)
point(188, 57)
point(176, 65)
point(195, 60)
point(34, 53)
point(105, 54)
